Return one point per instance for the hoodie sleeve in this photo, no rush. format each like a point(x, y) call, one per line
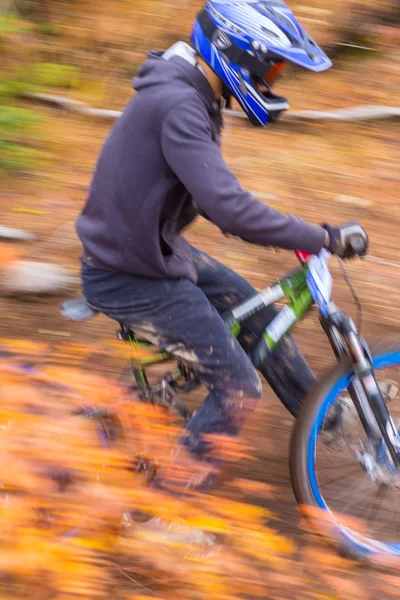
point(197, 161)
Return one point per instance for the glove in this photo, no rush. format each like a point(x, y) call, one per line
point(347, 241)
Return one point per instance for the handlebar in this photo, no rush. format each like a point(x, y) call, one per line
point(357, 246)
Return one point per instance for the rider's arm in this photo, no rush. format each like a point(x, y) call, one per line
point(198, 163)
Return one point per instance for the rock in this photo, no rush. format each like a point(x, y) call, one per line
point(26, 278)
point(15, 235)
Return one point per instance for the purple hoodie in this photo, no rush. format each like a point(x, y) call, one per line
point(160, 166)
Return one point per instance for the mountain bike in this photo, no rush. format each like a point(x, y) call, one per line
point(345, 448)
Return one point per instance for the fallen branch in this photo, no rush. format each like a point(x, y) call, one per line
point(355, 113)
point(75, 106)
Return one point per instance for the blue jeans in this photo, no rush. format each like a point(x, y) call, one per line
point(184, 319)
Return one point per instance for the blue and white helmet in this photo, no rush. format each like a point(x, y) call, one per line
point(248, 43)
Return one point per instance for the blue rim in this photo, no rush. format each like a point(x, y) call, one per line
point(359, 543)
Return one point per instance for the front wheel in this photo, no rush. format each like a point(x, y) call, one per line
point(347, 486)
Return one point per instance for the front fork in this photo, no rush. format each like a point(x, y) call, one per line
point(363, 389)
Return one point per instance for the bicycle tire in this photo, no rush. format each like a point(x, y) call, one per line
point(303, 445)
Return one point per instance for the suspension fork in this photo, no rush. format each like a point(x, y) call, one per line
point(355, 388)
point(363, 389)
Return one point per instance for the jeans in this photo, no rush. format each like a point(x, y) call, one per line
point(184, 319)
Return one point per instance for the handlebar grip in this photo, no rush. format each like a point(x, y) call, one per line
point(358, 244)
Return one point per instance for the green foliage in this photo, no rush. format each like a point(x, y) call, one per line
point(15, 119)
point(54, 75)
point(16, 157)
point(48, 29)
point(10, 24)
point(15, 125)
point(13, 89)
point(21, 73)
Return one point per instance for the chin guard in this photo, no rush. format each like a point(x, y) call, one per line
point(227, 96)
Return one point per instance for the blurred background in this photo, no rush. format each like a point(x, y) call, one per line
point(59, 57)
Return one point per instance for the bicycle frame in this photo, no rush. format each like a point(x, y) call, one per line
point(301, 289)
point(293, 288)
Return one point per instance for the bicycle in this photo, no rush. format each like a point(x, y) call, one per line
point(347, 397)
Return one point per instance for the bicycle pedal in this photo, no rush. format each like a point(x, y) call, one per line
point(146, 395)
point(95, 413)
point(145, 464)
point(142, 465)
point(147, 468)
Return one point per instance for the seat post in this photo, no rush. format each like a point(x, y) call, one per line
point(124, 333)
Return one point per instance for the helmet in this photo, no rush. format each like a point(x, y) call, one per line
point(248, 43)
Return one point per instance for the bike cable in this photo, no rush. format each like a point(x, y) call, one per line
point(357, 302)
point(353, 293)
point(381, 261)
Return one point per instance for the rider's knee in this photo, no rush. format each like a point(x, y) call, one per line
point(257, 385)
point(251, 387)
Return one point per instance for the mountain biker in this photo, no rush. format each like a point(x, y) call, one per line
point(159, 168)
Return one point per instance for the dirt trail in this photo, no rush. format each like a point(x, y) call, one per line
point(322, 172)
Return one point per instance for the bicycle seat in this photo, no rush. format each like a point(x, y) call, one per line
point(77, 309)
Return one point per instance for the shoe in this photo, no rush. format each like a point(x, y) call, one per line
point(170, 531)
point(176, 530)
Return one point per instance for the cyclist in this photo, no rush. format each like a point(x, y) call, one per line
point(160, 167)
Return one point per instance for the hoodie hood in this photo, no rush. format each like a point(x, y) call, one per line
point(178, 63)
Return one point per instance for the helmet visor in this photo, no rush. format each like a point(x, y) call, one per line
point(274, 72)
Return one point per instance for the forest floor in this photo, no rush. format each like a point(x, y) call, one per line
point(323, 172)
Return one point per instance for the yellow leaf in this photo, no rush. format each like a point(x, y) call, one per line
point(32, 211)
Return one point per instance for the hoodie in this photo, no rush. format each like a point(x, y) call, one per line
point(160, 166)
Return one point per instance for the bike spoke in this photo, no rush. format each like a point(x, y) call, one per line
point(398, 521)
point(343, 476)
point(345, 492)
point(350, 503)
point(380, 494)
point(335, 465)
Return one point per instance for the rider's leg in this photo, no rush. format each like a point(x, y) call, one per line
point(176, 315)
point(285, 370)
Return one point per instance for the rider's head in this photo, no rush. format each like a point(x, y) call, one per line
point(247, 43)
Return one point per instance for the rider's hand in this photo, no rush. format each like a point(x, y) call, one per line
point(347, 241)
